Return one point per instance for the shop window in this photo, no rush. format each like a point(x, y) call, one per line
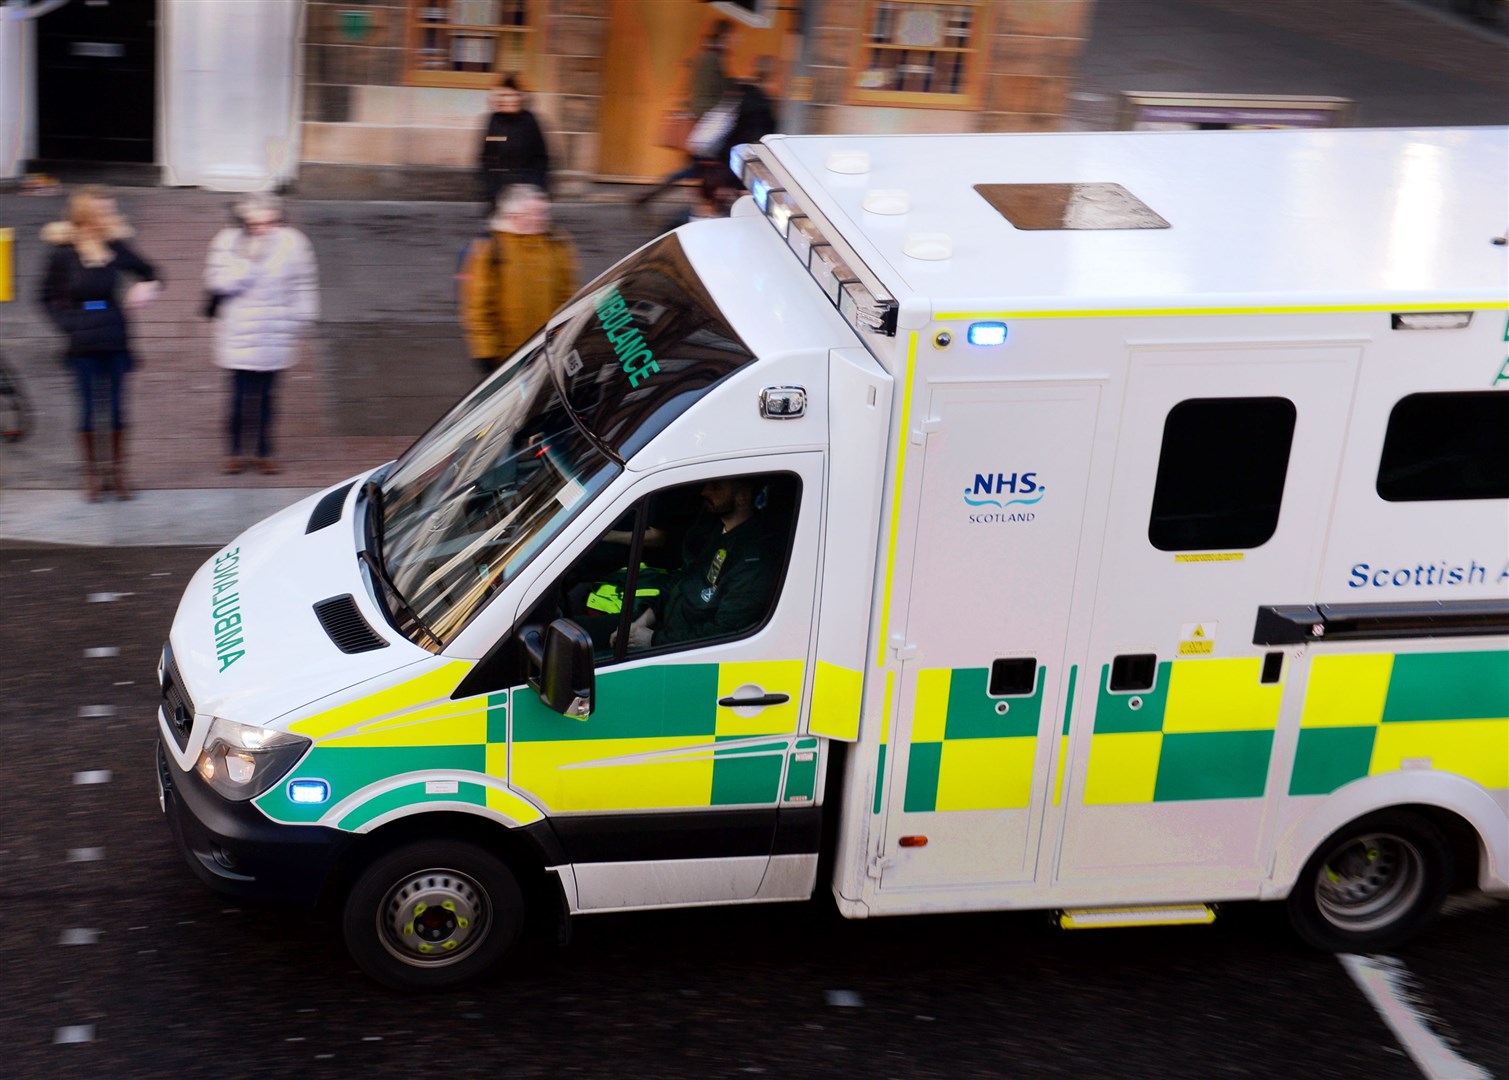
point(1221, 473)
point(1446, 446)
point(466, 43)
point(913, 52)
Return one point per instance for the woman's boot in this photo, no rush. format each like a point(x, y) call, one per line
point(118, 465)
point(91, 468)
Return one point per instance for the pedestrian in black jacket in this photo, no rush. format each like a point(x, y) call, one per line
point(83, 292)
point(513, 147)
point(754, 118)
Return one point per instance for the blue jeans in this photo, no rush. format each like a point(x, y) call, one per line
point(246, 386)
point(93, 373)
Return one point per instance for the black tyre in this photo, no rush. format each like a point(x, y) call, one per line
point(432, 914)
point(1373, 884)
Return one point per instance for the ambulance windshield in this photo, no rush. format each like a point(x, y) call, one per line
point(488, 486)
point(638, 346)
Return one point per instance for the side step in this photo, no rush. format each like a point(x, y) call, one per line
point(1161, 915)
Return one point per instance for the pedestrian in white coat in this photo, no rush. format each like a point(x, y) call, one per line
point(265, 297)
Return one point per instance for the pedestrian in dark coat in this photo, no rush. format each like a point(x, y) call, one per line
point(85, 297)
point(754, 118)
point(513, 147)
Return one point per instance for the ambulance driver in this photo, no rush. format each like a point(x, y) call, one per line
point(730, 566)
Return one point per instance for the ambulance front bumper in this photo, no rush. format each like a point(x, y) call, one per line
point(234, 849)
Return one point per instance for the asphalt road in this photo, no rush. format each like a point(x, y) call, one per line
point(118, 963)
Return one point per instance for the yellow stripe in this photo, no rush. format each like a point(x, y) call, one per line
point(1476, 749)
point(986, 774)
point(905, 435)
point(1220, 695)
point(772, 676)
point(7, 274)
point(837, 696)
point(1123, 767)
point(1298, 309)
point(1058, 779)
point(930, 707)
point(426, 689)
point(885, 718)
point(1347, 690)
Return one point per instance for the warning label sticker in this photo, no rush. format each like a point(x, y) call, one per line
point(1197, 639)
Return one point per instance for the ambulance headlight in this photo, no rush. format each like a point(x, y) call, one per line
point(241, 761)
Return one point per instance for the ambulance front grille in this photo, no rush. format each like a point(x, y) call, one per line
point(177, 706)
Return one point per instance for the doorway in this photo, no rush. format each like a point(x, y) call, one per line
point(97, 82)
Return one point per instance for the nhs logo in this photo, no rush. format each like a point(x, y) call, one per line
point(1004, 489)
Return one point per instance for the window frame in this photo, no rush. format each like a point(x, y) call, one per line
point(1394, 484)
point(521, 35)
point(639, 507)
point(975, 60)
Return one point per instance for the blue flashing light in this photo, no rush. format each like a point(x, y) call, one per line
point(308, 791)
point(760, 189)
point(987, 333)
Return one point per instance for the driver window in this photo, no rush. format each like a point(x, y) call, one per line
point(686, 566)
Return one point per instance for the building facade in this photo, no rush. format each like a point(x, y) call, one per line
point(386, 98)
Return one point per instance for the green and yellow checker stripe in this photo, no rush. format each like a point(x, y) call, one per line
point(657, 739)
point(1205, 731)
point(1372, 713)
point(965, 752)
point(654, 740)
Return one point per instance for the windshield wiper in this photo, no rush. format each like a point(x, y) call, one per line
point(371, 555)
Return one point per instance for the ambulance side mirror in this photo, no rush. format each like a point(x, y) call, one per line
point(561, 668)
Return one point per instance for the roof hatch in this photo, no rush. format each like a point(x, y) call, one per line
point(1070, 206)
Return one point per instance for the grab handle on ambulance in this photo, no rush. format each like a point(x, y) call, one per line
point(760, 702)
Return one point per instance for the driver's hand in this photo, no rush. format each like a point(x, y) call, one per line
point(640, 636)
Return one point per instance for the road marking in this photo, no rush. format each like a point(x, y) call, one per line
point(73, 1033)
point(92, 776)
point(843, 999)
point(86, 854)
point(1384, 981)
point(106, 597)
point(42, 570)
point(127, 682)
point(95, 712)
point(104, 652)
point(78, 935)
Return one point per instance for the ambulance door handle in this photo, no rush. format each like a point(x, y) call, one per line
point(760, 702)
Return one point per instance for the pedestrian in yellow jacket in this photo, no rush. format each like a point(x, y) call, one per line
point(516, 278)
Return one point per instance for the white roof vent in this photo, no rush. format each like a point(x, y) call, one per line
point(887, 201)
point(932, 246)
point(852, 162)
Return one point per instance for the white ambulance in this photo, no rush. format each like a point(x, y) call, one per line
point(1108, 524)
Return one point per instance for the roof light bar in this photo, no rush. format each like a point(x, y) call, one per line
point(781, 209)
point(829, 271)
point(864, 307)
point(740, 156)
point(800, 237)
point(1432, 320)
point(760, 184)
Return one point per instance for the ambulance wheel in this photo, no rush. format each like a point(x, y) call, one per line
point(1373, 884)
point(432, 915)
